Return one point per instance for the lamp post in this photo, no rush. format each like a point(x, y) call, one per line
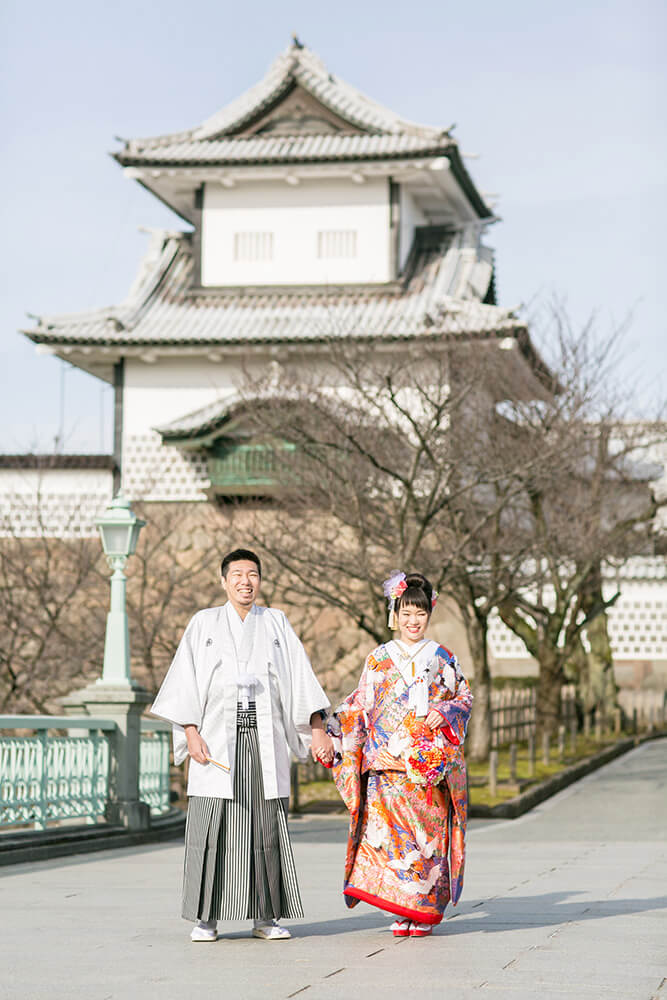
point(119, 528)
point(115, 695)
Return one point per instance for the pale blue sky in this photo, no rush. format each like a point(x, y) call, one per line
point(564, 102)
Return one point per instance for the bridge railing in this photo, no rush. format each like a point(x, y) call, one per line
point(154, 759)
point(60, 771)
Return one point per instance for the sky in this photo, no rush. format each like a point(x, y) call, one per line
point(563, 103)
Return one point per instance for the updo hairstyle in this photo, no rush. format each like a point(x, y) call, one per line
point(419, 594)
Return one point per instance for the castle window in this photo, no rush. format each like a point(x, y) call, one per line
point(253, 246)
point(337, 243)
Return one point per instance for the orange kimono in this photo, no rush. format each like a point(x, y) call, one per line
point(404, 854)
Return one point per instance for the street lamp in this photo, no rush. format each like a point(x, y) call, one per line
point(119, 527)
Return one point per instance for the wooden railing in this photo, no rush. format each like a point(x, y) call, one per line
point(514, 713)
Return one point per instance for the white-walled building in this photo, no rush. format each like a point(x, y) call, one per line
point(314, 213)
point(53, 495)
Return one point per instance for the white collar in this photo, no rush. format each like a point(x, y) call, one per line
point(242, 633)
point(235, 616)
point(421, 659)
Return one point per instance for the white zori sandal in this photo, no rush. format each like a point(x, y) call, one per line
point(400, 928)
point(270, 930)
point(421, 930)
point(205, 930)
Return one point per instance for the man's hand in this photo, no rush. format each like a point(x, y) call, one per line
point(197, 747)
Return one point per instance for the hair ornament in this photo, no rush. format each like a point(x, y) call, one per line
point(434, 598)
point(392, 590)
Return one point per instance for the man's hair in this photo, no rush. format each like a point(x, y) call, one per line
point(236, 556)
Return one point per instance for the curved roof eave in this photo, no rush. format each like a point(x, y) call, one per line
point(295, 65)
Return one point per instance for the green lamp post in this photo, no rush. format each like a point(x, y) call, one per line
point(115, 696)
point(119, 528)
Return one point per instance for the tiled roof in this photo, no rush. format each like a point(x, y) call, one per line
point(201, 421)
point(296, 65)
point(217, 142)
point(440, 297)
point(292, 149)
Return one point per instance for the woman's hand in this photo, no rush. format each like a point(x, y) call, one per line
point(197, 747)
point(434, 720)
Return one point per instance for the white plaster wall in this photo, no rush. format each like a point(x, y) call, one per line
point(171, 387)
point(637, 625)
point(60, 503)
point(30, 482)
point(155, 394)
point(295, 214)
point(411, 216)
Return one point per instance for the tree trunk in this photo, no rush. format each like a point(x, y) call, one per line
point(597, 686)
point(597, 689)
point(550, 682)
point(479, 733)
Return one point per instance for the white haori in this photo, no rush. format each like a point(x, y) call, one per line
point(418, 681)
point(222, 659)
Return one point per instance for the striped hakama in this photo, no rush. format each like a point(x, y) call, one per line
point(238, 857)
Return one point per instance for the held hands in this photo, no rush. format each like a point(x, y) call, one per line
point(321, 748)
point(197, 747)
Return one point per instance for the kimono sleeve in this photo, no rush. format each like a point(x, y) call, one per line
point(454, 702)
point(179, 700)
point(348, 727)
point(305, 696)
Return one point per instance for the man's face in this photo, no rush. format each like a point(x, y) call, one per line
point(242, 583)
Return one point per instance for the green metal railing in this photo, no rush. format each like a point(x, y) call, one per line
point(47, 777)
point(154, 751)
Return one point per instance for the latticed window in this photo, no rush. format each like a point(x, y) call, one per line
point(257, 468)
point(337, 243)
point(253, 246)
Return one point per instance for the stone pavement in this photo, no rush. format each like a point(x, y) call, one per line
point(568, 901)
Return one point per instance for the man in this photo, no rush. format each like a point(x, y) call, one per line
point(241, 694)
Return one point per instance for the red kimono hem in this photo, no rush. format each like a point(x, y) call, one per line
point(385, 904)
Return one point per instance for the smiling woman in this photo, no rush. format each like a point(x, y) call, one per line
point(399, 768)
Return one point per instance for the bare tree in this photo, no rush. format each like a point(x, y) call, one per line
point(508, 491)
point(174, 572)
point(386, 459)
point(591, 501)
point(48, 636)
point(54, 598)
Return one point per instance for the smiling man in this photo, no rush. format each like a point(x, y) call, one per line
point(240, 694)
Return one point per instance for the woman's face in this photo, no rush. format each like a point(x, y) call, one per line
point(412, 623)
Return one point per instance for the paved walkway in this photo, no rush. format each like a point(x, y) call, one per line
point(569, 901)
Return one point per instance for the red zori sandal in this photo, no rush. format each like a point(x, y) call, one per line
point(400, 928)
point(420, 930)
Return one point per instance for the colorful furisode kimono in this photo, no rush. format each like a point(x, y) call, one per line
point(406, 842)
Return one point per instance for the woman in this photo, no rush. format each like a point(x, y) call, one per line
point(399, 768)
